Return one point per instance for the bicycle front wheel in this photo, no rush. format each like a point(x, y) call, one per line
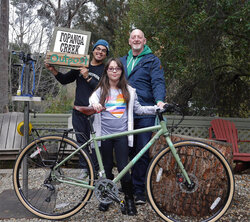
point(213, 183)
point(41, 189)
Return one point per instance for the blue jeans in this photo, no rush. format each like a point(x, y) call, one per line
point(140, 140)
point(81, 124)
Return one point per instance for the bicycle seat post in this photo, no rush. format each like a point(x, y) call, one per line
point(92, 131)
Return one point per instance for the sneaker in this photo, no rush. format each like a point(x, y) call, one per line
point(83, 174)
point(140, 199)
point(130, 205)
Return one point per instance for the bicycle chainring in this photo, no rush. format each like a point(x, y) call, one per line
point(104, 186)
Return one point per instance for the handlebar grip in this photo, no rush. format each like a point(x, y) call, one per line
point(169, 108)
point(172, 108)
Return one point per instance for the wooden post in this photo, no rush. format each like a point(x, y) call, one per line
point(26, 126)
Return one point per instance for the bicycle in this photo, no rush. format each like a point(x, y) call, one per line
point(28, 61)
point(174, 183)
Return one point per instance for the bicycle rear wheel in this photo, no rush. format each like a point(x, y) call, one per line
point(213, 188)
point(36, 183)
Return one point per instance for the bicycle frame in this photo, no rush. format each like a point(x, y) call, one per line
point(161, 130)
point(47, 189)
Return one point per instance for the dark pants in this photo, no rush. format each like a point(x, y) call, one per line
point(120, 146)
point(81, 124)
point(140, 168)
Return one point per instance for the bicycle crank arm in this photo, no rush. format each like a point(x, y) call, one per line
point(113, 197)
point(118, 200)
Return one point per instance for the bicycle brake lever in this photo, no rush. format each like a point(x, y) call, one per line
point(172, 108)
point(169, 107)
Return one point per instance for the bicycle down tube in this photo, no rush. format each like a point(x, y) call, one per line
point(161, 130)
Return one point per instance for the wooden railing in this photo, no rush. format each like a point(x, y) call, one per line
point(194, 126)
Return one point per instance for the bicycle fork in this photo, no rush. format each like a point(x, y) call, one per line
point(190, 184)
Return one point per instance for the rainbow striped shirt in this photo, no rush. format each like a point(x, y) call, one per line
point(115, 105)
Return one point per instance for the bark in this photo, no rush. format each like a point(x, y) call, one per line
point(205, 170)
point(4, 24)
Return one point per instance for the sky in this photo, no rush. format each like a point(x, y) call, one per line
point(32, 33)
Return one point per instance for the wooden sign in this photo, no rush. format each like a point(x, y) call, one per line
point(64, 59)
point(69, 48)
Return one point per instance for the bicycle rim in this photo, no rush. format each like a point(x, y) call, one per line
point(39, 191)
point(211, 195)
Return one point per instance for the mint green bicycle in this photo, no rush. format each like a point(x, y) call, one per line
point(185, 181)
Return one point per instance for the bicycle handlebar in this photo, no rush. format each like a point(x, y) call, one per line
point(88, 110)
point(24, 57)
point(171, 108)
point(168, 107)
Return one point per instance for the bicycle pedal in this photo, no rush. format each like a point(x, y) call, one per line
point(123, 207)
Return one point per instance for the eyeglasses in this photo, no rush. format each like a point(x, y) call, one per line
point(101, 50)
point(117, 69)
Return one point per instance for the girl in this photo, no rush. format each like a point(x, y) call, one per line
point(120, 101)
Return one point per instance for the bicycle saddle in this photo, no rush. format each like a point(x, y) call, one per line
point(87, 110)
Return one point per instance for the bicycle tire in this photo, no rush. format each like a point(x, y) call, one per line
point(39, 191)
point(212, 194)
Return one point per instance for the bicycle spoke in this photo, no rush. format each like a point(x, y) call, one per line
point(45, 195)
point(174, 200)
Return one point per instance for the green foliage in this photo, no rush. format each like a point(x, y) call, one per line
point(203, 47)
point(103, 20)
point(59, 104)
point(120, 41)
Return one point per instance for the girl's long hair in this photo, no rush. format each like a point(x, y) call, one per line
point(105, 86)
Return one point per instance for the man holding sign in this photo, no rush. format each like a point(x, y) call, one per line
point(86, 81)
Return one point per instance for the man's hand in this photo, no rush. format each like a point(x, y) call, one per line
point(160, 104)
point(51, 68)
point(84, 72)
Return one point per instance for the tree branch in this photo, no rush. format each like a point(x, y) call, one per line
point(242, 73)
point(72, 14)
point(238, 36)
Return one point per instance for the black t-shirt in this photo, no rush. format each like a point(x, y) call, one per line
point(84, 89)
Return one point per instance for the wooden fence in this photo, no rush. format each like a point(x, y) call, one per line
point(195, 126)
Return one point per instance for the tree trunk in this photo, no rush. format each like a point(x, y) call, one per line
point(174, 197)
point(4, 24)
point(224, 148)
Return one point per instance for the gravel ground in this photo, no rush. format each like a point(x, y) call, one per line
point(238, 212)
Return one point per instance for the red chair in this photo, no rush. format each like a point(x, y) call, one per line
point(225, 130)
